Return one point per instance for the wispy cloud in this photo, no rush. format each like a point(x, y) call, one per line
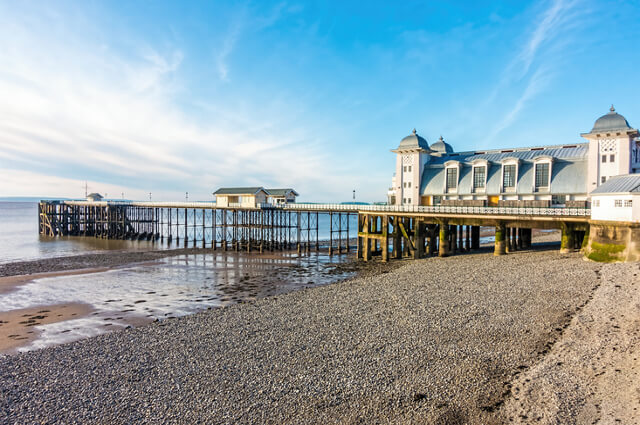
point(533, 66)
point(74, 111)
point(226, 49)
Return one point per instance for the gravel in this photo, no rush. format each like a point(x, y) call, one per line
point(437, 340)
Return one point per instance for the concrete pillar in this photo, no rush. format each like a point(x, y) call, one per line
point(433, 239)
point(475, 237)
point(453, 239)
point(443, 250)
point(467, 245)
point(500, 245)
point(418, 238)
point(526, 238)
point(568, 238)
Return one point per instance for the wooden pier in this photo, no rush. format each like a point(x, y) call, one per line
point(387, 232)
point(265, 228)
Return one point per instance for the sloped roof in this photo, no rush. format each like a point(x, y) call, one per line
point(567, 178)
point(238, 190)
point(94, 195)
point(281, 192)
point(575, 152)
point(619, 184)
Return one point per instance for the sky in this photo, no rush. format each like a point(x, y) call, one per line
point(139, 99)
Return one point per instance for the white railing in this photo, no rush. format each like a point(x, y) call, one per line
point(437, 209)
point(446, 209)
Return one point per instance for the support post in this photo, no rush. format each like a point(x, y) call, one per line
point(444, 240)
point(500, 246)
point(568, 238)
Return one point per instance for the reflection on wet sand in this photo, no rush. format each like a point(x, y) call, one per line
point(174, 286)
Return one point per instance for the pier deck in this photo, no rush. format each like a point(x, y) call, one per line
point(382, 230)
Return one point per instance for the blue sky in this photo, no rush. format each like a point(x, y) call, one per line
point(163, 97)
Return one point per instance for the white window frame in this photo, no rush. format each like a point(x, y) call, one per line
point(510, 161)
point(542, 160)
point(476, 164)
point(447, 166)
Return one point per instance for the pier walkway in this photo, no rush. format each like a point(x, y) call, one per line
point(382, 230)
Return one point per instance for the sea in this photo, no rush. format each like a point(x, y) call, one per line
point(138, 293)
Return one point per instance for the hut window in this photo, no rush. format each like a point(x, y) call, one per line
point(509, 175)
point(618, 203)
point(612, 158)
point(542, 174)
point(479, 174)
point(628, 203)
point(604, 158)
point(452, 178)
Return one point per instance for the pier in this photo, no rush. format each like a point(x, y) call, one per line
point(384, 231)
point(199, 224)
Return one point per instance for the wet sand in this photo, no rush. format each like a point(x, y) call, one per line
point(9, 283)
point(18, 327)
point(138, 293)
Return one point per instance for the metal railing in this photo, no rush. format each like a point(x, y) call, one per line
point(447, 209)
point(437, 209)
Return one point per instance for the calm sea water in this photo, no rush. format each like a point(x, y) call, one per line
point(174, 286)
point(20, 239)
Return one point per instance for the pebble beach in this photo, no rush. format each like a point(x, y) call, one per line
point(439, 340)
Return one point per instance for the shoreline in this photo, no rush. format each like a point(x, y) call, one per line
point(258, 274)
point(434, 340)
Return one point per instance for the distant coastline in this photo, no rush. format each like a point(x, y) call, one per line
point(29, 198)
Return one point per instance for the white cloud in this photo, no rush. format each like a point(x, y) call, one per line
point(74, 109)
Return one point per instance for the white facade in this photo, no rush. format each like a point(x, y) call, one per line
point(557, 174)
point(614, 149)
point(616, 207)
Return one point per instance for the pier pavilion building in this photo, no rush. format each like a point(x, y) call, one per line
point(540, 176)
point(252, 197)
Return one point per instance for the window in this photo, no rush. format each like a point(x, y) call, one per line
point(603, 179)
point(628, 203)
point(596, 203)
point(612, 158)
point(542, 175)
point(618, 203)
point(509, 176)
point(405, 169)
point(409, 185)
point(604, 158)
point(558, 199)
point(409, 168)
point(479, 176)
point(452, 178)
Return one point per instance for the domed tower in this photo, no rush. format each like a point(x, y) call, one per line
point(441, 147)
point(613, 149)
point(411, 155)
